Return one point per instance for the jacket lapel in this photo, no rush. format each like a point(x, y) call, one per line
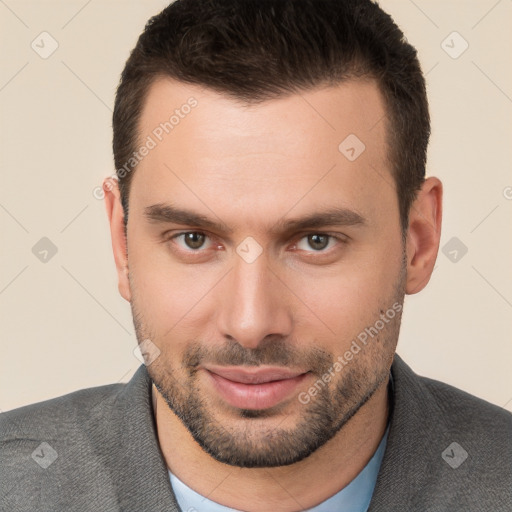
point(141, 477)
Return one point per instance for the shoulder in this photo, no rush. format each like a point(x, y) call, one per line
point(35, 436)
point(72, 452)
point(456, 402)
point(57, 444)
point(446, 449)
point(456, 407)
point(56, 416)
point(458, 410)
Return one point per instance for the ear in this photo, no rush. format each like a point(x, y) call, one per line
point(116, 219)
point(423, 234)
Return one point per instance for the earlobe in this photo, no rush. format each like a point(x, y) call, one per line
point(115, 215)
point(424, 234)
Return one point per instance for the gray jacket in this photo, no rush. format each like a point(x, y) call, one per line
point(96, 450)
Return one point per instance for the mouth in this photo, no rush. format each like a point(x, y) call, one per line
point(254, 388)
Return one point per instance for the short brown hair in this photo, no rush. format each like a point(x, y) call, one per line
point(256, 50)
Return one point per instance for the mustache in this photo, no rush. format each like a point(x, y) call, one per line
point(271, 351)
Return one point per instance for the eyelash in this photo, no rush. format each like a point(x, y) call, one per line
point(340, 239)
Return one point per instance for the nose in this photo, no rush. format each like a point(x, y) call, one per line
point(253, 304)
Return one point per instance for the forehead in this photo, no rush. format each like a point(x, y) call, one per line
point(326, 113)
point(208, 149)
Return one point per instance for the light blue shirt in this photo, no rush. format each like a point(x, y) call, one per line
point(355, 497)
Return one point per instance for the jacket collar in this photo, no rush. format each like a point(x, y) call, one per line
point(410, 438)
point(144, 484)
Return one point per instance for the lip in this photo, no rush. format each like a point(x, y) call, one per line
point(254, 388)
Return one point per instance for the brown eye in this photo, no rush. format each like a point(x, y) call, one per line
point(321, 243)
point(318, 242)
point(193, 239)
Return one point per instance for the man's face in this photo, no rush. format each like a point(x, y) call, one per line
point(252, 310)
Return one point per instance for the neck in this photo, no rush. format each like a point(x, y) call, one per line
point(288, 488)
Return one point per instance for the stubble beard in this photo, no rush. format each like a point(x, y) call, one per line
point(254, 438)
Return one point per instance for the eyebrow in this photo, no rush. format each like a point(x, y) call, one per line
point(334, 216)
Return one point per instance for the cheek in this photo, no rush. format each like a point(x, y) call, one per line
point(169, 295)
point(351, 295)
point(338, 307)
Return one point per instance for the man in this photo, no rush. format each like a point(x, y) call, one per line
point(269, 215)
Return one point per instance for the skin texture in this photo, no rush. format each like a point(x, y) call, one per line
point(298, 305)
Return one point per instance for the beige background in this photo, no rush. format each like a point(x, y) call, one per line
point(63, 324)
